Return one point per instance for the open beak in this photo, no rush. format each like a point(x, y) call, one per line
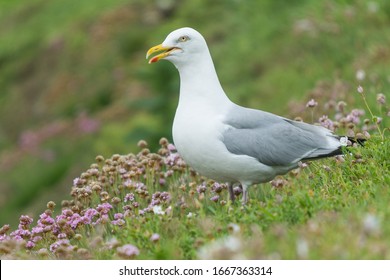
point(164, 52)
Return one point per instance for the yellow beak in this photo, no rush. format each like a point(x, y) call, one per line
point(165, 51)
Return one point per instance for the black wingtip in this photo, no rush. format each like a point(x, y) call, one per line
point(339, 150)
point(359, 141)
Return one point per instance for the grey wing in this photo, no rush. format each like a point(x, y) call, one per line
point(273, 140)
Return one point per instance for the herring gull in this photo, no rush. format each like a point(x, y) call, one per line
point(227, 142)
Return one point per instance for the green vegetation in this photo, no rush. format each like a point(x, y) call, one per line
point(75, 84)
point(152, 206)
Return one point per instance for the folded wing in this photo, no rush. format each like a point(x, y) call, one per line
point(276, 141)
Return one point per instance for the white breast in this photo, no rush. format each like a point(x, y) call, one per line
point(197, 134)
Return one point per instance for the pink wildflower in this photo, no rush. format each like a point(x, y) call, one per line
point(381, 98)
point(127, 251)
point(129, 197)
point(201, 189)
point(326, 122)
point(30, 244)
point(155, 237)
point(311, 104)
point(171, 147)
point(104, 208)
point(217, 187)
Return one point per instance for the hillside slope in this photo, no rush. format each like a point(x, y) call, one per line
point(74, 81)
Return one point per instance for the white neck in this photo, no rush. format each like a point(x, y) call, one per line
point(199, 82)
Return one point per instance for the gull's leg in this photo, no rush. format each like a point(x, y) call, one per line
point(231, 193)
point(244, 194)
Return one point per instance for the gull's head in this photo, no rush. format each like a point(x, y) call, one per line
point(180, 46)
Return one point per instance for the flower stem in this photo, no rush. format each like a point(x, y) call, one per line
point(373, 118)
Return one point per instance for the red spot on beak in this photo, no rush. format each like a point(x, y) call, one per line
point(154, 59)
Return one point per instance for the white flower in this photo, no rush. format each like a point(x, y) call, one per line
point(371, 224)
point(302, 248)
point(360, 75)
point(190, 215)
point(158, 210)
point(344, 141)
point(229, 247)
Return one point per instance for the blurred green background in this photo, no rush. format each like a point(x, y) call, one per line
point(74, 82)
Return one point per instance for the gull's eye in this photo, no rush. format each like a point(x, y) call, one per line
point(183, 39)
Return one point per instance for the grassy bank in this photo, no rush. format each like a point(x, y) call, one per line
point(152, 206)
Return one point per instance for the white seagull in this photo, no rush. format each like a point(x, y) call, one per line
point(224, 141)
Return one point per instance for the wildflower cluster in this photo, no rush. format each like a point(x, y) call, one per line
point(336, 115)
point(112, 194)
